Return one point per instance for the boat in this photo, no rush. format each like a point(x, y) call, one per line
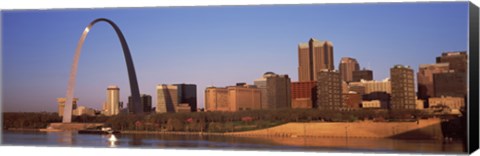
point(102, 130)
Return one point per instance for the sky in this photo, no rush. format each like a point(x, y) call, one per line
point(210, 46)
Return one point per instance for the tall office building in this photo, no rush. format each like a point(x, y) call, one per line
point(403, 88)
point(167, 98)
point(170, 96)
point(454, 82)
point(61, 105)
point(188, 95)
point(113, 101)
point(363, 74)
point(275, 91)
point(347, 67)
point(146, 102)
point(304, 94)
point(457, 60)
point(329, 90)
point(313, 57)
point(425, 78)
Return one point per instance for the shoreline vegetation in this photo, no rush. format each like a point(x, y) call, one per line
point(221, 123)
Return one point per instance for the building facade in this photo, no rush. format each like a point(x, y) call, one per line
point(329, 90)
point(275, 91)
point(457, 60)
point(313, 57)
point(216, 99)
point(82, 110)
point(246, 97)
point(112, 104)
point(167, 98)
point(347, 67)
point(363, 74)
point(450, 84)
point(188, 94)
point(373, 86)
point(304, 94)
point(352, 100)
point(146, 102)
point(425, 78)
point(233, 98)
point(454, 103)
point(371, 104)
point(403, 91)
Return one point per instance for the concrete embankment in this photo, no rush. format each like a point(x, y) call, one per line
point(424, 129)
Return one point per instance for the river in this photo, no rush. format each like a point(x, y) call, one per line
point(73, 139)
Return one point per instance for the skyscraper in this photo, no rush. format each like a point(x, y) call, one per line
point(113, 101)
point(188, 94)
point(425, 78)
point(275, 91)
point(145, 100)
point(363, 74)
point(347, 67)
point(403, 88)
point(313, 57)
point(329, 90)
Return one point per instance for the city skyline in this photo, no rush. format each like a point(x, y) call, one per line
point(239, 42)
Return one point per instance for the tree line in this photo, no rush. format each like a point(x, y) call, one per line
point(213, 121)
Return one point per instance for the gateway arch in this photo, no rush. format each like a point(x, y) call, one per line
point(67, 116)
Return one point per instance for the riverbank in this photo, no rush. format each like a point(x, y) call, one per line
point(423, 129)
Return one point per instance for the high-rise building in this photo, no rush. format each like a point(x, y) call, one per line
point(146, 102)
point(347, 67)
point(113, 101)
point(216, 99)
point(304, 94)
point(329, 90)
point(425, 78)
point(403, 88)
point(188, 94)
point(363, 74)
point(457, 60)
point(170, 96)
point(167, 98)
point(313, 57)
point(452, 84)
point(233, 98)
point(61, 105)
point(275, 91)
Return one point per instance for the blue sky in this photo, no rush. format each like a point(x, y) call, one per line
point(217, 45)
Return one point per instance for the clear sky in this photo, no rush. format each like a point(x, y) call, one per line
point(217, 45)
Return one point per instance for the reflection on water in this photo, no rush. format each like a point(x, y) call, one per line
point(228, 142)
